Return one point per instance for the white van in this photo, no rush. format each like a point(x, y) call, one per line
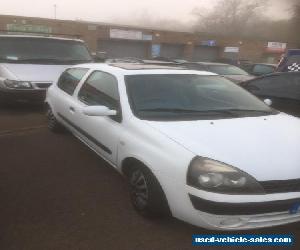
point(30, 64)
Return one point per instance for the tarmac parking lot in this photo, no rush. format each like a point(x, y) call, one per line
point(57, 194)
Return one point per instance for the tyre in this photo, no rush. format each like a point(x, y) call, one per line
point(53, 124)
point(146, 194)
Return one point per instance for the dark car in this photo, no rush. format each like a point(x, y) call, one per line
point(259, 69)
point(231, 72)
point(236, 62)
point(283, 89)
point(290, 61)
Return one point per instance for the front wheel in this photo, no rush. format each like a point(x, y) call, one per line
point(146, 194)
point(53, 124)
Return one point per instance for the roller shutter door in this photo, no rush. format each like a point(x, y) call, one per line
point(119, 49)
point(205, 53)
point(173, 51)
point(231, 55)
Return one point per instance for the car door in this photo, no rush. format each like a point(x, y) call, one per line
point(99, 132)
point(62, 98)
point(283, 90)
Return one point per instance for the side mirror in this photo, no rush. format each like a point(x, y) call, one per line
point(99, 56)
point(268, 102)
point(98, 111)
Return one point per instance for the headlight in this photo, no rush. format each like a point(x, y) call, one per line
point(214, 176)
point(17, 84)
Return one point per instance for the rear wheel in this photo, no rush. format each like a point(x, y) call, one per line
point(146, 194)
point(53, 124)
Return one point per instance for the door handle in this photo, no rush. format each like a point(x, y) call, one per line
point(72, 110)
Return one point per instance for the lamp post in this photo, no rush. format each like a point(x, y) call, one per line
point(55, 11)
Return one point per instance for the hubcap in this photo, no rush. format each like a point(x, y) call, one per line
point(139, 189)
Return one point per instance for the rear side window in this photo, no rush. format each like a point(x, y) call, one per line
point(100, 89)
point(260, 69)
point(69, 79)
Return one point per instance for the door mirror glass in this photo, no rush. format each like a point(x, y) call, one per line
point(98, 111)
point(268, 102)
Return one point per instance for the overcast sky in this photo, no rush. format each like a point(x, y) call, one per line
point(111, 10)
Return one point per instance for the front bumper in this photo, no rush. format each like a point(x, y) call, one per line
point(22, 95)
point(246, 222)
point(230, 212)
point(234, 216)
point(249, 208)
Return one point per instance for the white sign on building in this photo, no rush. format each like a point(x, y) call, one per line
point(232, 49)
point(126, 34)
point(276, 47)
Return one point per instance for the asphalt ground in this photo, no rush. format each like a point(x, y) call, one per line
point(56, 194)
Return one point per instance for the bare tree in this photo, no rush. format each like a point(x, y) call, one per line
point(147, 19)
point(231, 17)
point(296, 23)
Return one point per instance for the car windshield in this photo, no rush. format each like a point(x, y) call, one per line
point(42, 50)
point(226, 70)
point(192, 97)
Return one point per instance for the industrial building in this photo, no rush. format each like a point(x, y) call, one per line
point(124, 41)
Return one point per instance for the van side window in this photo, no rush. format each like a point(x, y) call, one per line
point(69, 79)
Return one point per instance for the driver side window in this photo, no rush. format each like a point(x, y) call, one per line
point(69, 79)
point(100, 89)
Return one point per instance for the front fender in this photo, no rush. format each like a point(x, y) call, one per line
point(155, 150)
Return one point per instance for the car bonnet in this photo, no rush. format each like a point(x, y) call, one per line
point(267, 147)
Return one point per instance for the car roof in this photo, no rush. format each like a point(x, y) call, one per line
point(42, 37)
point(136, 68)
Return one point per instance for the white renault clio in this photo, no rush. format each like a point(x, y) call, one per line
point(191, 143)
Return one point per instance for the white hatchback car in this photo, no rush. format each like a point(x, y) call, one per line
point(191, 143)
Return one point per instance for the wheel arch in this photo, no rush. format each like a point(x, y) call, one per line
point(131, 162)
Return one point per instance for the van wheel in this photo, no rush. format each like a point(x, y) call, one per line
point(146, 194)
point(53, 124)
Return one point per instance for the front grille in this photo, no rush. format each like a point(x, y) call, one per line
point(43, 85)
point(247, 208)
point(285, 186)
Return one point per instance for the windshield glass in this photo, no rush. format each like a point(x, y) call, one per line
point(180, 97)
point(39, 50)
point(226, 70)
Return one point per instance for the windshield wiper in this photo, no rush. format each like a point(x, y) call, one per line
point(230, 112)
point(177, 110)
point(247, 110)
